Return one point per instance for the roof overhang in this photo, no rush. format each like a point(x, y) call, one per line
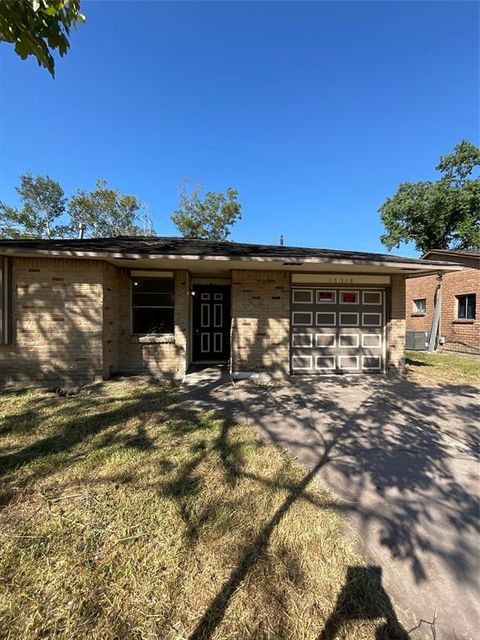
point(224, 263)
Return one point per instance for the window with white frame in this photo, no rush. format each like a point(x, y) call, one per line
point(466, 307)
point(420, 306)
point(153, 305)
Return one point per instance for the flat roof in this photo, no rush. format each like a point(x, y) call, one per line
point(454, 253)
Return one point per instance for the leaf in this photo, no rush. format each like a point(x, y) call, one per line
point(39, 27)
point(441, 214)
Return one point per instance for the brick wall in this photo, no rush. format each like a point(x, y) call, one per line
point(459, 336)
point(261, 321)
point(419, 288)
point(71, 324)
point(57, 313)
point(155, 355)
point(396, 326)
point(111, 312)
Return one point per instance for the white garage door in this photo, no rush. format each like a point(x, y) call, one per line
point(337, 330)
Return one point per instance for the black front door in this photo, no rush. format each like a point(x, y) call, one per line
point(211, 322)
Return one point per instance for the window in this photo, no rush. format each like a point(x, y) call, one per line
point(325, 297)
point(420, 306)
point(349, 297)
point(466, 307)
point(152, 305)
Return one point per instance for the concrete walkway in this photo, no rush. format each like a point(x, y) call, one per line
point(404, 461)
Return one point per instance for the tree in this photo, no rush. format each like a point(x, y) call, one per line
point(438, 215)
point(43, 205)
point(210, 218)
point(39, 27)
point(106, 212)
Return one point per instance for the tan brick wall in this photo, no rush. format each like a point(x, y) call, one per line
point(158, 356)
point(71, 324)
point(459, 336)
point(396, 325)
point(57, 322)
point(111, 312)
point(261, 321)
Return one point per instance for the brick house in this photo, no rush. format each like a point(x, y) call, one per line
point(76, 310)
point(459, 328)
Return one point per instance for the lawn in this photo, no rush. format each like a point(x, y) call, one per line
point(126, 515)
point(442, 368)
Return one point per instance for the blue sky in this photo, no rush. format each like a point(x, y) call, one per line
point(313, 111)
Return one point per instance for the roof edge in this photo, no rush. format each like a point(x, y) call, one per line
point(411, 264)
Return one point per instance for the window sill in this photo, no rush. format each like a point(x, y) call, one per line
point(165, 339)
point(418, 315)
point(463, 321)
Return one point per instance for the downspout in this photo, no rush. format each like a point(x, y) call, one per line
point(436, 316)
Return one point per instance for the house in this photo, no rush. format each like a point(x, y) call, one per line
point(76, 310)
point(459, 328)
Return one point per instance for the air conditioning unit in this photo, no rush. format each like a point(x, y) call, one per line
point(417, 340)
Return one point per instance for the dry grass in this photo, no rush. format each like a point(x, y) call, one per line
point(126, 516)
point(442, 368)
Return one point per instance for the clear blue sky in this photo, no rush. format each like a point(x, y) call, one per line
point(314, 111)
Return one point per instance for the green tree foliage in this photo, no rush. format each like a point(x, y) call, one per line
point(210, 218)
point(46, 212)
point(39, 27)
point(43, 205)
point(438, 215)
point(106, 212)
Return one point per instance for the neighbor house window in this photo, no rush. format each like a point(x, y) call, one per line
point(420, 306)
point(152, 305)
point(466, 307)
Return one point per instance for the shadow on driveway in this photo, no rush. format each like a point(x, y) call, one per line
point(404, 461)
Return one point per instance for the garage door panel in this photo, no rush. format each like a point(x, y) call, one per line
point(325, 339)
point(337, 330)
point(302, 339)
point(325, 363)
point(349, 319)
point(348, 340)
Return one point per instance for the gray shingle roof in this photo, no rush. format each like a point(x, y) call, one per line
point(163, 246)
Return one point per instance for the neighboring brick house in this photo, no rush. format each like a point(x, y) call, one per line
point(459, 328)
point(77, 310)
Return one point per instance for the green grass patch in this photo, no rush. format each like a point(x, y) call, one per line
point(442, 368)
point(126, 515)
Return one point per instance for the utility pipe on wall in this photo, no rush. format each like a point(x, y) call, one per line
point(436, 316)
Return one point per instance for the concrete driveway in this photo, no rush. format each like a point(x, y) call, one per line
point(403, 460)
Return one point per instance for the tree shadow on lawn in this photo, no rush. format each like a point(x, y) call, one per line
point(413, 458)
point(66, 425)
point(388, 446)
